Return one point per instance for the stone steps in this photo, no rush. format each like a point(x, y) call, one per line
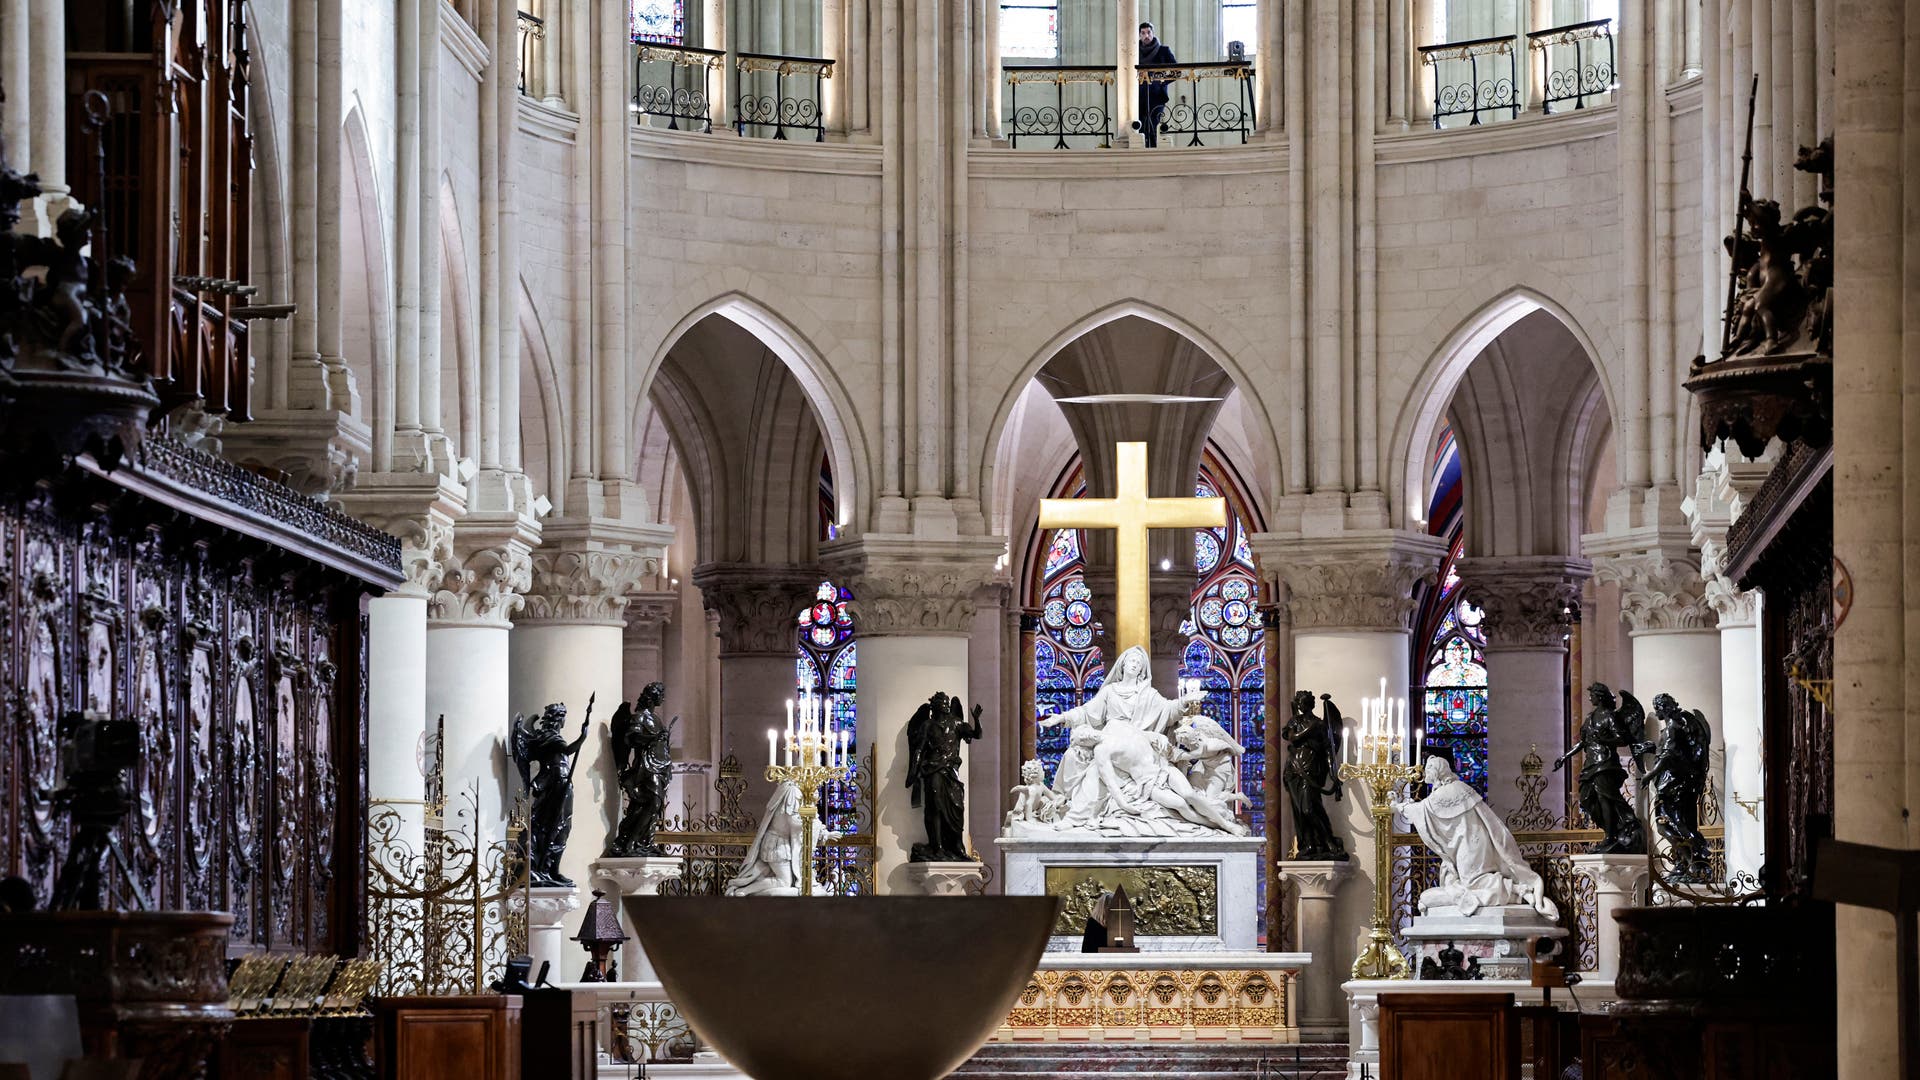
point(1189, 1061)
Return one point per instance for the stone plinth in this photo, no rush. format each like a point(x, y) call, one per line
point(1316, 882)
point(944, 878)
point(640, 875)
point(1618, 881)
point(1190, 893)
point(547, 909)
point(1497, 936)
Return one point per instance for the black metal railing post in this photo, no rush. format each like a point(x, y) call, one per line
point(1060, 121)
point(783, 109)
point(1477, 95)
point(677, 99)
point(1588, 77)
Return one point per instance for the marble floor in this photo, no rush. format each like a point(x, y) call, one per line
point(1189, 1061)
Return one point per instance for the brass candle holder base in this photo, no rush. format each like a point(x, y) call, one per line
point(1380, 776)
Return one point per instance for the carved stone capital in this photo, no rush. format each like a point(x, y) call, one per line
point(638, 875)
point(489, 572)
point(1736, 607)
point(1316, 879)
point(909, 586)
point(1353, 581)
point(318, 450)
point(1659, 590)
point(584, 571)
point(547, 905)
point(1614, 875)
point(755, 605)
point(1530, 602)
point(420, 509)
point(647, 616)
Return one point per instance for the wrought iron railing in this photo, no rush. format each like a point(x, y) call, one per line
point(1204, 99)
point(532, 29)
point(443, 919)
point(1473, 78)
point(1576, 62)
point(675, 82)
point(780, 94)
point(1059, 104)
point(713, 847)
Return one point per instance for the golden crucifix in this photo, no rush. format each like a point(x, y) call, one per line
point(1130, 515)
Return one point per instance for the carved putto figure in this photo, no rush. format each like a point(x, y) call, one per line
point(1783, 270)
point(1607, 729)
point(934, 737)
point(549, 790)
point(1481, 864)
point(643, 759)
point(1678, 777)
point(1119, 776)
point(772, 865)
point(1033, 801)
point(1309, 776)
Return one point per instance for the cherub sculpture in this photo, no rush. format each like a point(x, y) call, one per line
point(1211, 757)
point(1033, 801)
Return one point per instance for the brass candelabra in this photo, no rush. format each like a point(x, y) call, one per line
point(1381, 770)
point(812, 759)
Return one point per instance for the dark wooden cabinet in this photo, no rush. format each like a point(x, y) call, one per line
point(1449, 1037)
point(447, 1038)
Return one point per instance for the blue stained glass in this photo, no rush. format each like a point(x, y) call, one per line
point(1206, 551)
point(1065, 549)
point(662, 21)
point(825, 642)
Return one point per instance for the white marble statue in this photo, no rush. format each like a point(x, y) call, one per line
point(773, 861)
point(1481, 865)
point(1120, 775)
point(1210, 756)
point(1033, 801)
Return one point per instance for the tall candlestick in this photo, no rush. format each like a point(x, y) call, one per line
point(771, 736)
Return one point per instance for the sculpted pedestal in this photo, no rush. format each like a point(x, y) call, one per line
point(1618, 881)
point(640, 876)
point(547, 907)
point(944, 878)
point(1323, 1007)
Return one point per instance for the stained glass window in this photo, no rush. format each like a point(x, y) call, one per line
point(1030, 29)
point(1067, 666)
point(1451, 675)
point(1226, 648)
point(663, 21)
point(826, 669)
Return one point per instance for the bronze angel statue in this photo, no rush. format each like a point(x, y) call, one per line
point(1609, 727)
point(550, 790)
point(1678, 777)
point(934, 736)
point(643, 762)
point(1312, 762)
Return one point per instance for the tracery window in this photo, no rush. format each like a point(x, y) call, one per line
point(662, 21)
point(1067, 665)
point(1226, 648)
point(1030, 29)
point(1451, 673)
point(825, 669)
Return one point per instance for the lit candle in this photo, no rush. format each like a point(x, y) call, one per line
point(789, 714)
point(1419, 736)
point(771, 734)
point(789, 749)
point(843, 748)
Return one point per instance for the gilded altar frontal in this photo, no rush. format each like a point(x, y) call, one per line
point(1168, 901)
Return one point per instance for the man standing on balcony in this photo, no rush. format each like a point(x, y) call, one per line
point(1153, 93)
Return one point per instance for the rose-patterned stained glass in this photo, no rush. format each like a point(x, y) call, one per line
point(663, 21)
point(1226, 649)
point(826, 667)
point(1067, 665)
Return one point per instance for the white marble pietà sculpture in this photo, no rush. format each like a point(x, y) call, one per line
point(1124, 772)
point(772, 866)
point(1481, 865)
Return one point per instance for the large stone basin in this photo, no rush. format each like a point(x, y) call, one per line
point(887, 987)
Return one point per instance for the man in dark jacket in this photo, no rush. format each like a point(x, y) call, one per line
point(1153, 95)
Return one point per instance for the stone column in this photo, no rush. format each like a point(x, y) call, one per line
point(1618, 881)
point(547, 928)
point(914, 602)
point(1323, 1005)
point(757, 606)
point(641, 876)
point(986, 779)
point(1530, 604)
point(489, 569)
point(644, 643)
point(1676, 642)
point(1720, 495)
point(47, 56)
point(1350, 597)
point(422, 515)
point(566, 647)
point(16, 77)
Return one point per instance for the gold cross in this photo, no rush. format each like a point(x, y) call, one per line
point(1130, 515)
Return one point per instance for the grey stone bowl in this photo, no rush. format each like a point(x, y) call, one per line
point(887, 987)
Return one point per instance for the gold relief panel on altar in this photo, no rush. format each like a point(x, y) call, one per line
point(1168, 901)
